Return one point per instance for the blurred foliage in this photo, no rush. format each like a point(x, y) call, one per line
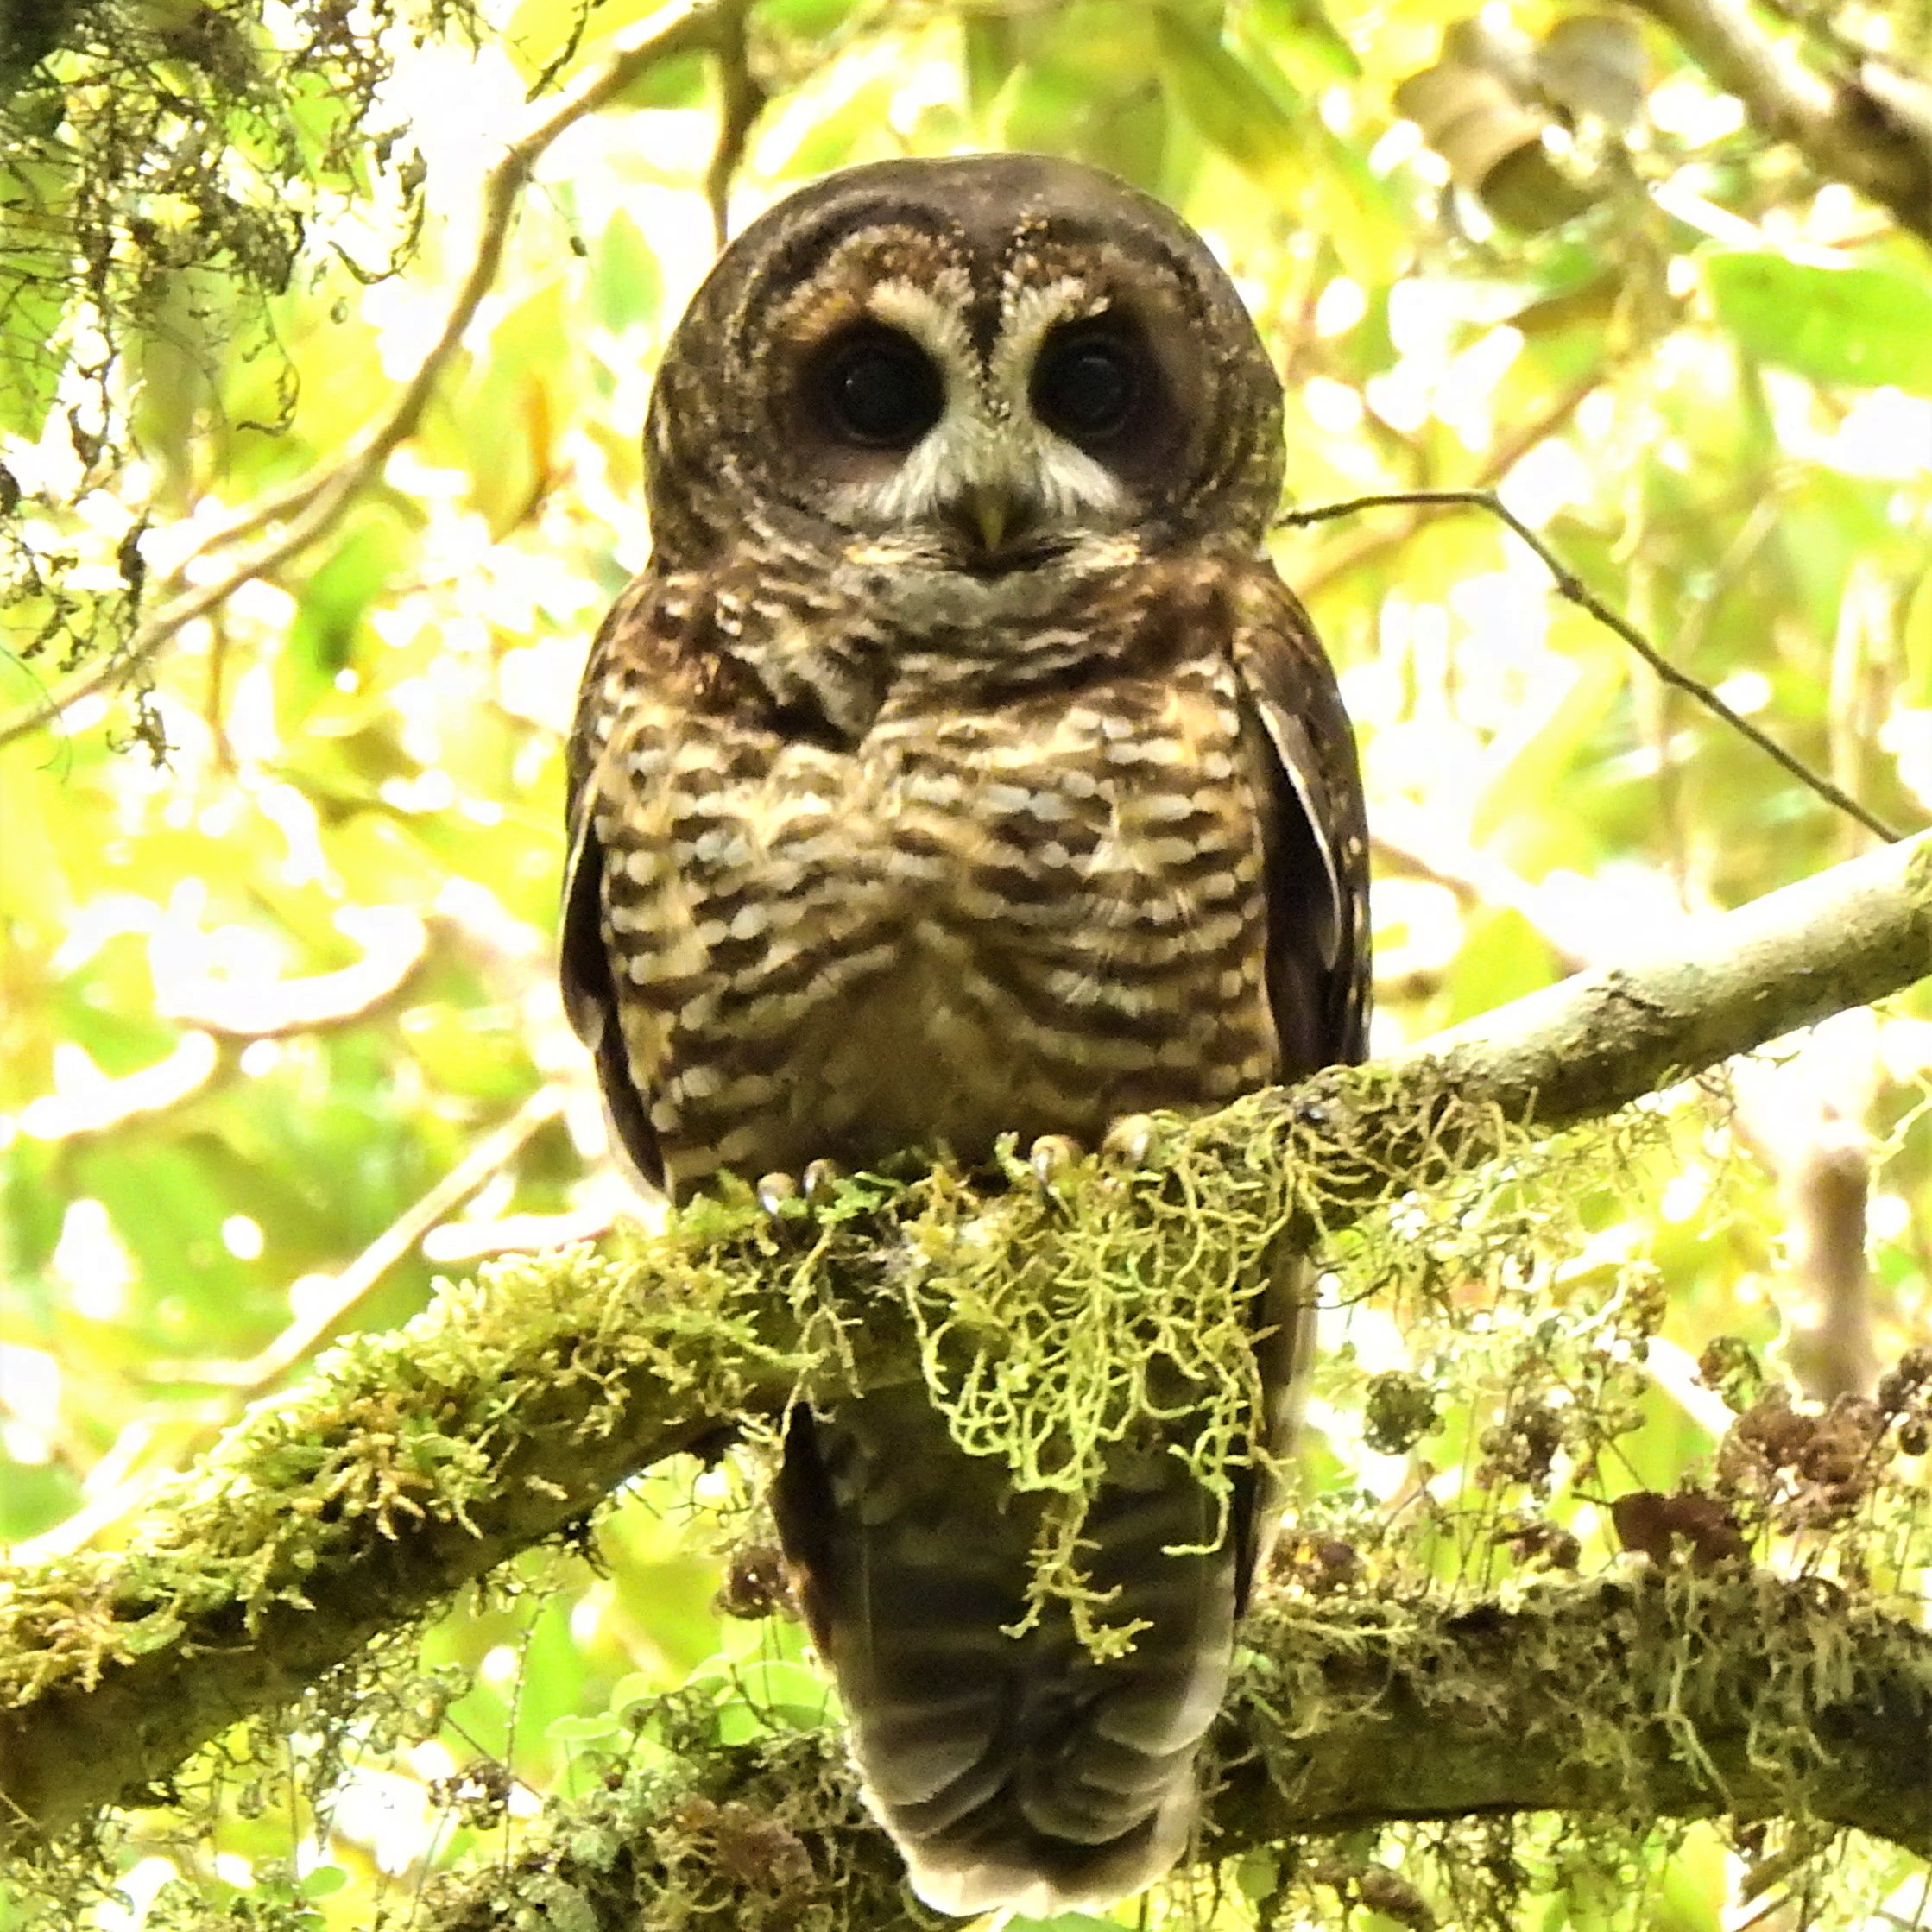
point(162, 164)
point(261, 999)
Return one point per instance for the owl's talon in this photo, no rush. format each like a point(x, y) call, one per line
point(776, 1192)
point(822, 1179)
point(1130, 1140)
point(1051, 1155)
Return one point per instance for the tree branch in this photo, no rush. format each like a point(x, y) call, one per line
point(1573, 589)
point(313, 505)
point(1871, 129)
point(412, 1463)
point(1657, 1692)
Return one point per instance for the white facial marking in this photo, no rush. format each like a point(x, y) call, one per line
point(1068, 480)
point(987, 436)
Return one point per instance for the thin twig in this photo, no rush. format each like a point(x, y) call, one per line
point(319, 502)
point(1494, 469)
point(481, 1163)
point(741, 98)
point(1572, 587)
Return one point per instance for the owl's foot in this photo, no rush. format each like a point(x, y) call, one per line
point(1131, 1141)
point(789, 1196)
point(1052, 1155)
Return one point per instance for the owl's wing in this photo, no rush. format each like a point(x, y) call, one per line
point(1301, 757)
point(1314, 835)
point(589, 988)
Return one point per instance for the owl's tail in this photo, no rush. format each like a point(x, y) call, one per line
point(1020, 1770)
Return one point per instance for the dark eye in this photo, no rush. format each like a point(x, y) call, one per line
point(877, 388)
point(1087, 382)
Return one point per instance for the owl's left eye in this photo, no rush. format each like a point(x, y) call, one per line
point(878, 387)
point(1087, 382)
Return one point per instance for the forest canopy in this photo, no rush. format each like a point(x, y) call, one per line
point(325, 336)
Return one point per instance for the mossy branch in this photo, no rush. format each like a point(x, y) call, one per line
point(411, 1463)
point(1652, 1694)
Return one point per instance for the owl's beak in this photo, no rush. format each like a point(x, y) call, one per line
point(990, 514)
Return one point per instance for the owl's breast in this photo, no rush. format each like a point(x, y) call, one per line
point(1028, 918)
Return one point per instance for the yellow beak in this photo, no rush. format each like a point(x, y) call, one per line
point(989, 512)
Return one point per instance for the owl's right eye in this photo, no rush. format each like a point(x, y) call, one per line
point(877, 388)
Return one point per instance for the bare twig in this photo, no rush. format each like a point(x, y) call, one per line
point(1492, 470)
point(493, 1151)
point(1869, 128)
point(1572, 587)
point(314, 505)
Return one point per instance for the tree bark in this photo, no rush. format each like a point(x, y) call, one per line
point(410, 1463)
point(1869, 126)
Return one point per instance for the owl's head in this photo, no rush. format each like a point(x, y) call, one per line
point(987, 360)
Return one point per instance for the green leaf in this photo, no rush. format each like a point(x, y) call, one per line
point(1232, 109)
point(603, 1728)
point(1502, 958)
point(637, 1687)
point(807, 19)
point(1859, 324)
point(1304, 36)
point(373, 546)
point(626, 286)
point(784, 1693)
point(991, 54)
point(1532, 762)
point(1267, 127)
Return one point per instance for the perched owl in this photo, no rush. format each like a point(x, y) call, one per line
point(959, 765)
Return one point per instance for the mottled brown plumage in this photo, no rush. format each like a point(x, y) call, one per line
point(958, 765)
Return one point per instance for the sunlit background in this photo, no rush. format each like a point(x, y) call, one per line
point(279, 1036)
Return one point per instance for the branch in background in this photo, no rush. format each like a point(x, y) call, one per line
point(1474, 877)
point(495, 1151)
point(1805, 1120)
point(313, 506)
point(1871, 128)
point(1608, 1698)
point(742, 99)
point(1829, 1339)
point(1494, 469)
point(395, 943)
point(411, 1463)
point(1573, 589)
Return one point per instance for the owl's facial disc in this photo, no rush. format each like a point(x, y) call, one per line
point(964, 368)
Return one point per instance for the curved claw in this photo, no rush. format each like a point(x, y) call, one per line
point(776, 1192)
point(822, 1179)
point(1051, 1155)
point(1130, 1141)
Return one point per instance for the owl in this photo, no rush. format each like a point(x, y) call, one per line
point(958, 765)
